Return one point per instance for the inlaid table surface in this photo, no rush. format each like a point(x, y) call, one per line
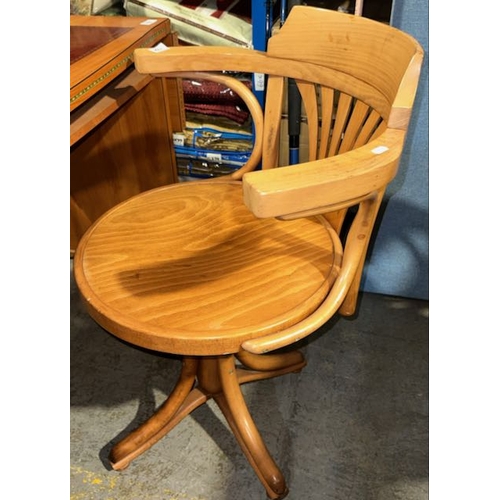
point(101, 48)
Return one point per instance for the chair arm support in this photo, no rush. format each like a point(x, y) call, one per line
point(356, 243)
point(324, 185)
point(253, 106)
point(327, 309)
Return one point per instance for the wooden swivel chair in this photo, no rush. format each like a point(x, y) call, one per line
point(222, 272)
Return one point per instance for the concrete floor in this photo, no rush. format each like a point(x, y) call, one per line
point(353, 425)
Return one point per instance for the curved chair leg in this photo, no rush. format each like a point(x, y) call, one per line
point(181, 401)
point(216, 377)
point(232, 404)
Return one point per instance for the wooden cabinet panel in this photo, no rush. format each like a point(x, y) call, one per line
point(121, 139)
point(128, 153)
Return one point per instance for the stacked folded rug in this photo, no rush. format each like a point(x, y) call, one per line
point(217, 138)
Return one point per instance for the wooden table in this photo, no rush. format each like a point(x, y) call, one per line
point(121, 122)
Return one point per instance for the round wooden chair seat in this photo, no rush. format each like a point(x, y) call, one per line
point(188, 269)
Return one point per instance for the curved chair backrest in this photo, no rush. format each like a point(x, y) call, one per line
point(371, 84)
point(358, 80)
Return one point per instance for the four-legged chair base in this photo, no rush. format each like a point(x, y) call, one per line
point(220, 378)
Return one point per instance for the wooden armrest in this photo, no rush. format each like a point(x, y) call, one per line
point(322, 186)
point(174, 59)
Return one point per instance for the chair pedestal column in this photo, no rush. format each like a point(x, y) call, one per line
point(220, 378)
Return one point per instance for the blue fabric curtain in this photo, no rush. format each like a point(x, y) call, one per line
point(398, 260)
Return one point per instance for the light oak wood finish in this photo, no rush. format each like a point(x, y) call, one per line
point(225, 271)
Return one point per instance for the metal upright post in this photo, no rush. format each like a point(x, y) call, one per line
point(294, 111)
